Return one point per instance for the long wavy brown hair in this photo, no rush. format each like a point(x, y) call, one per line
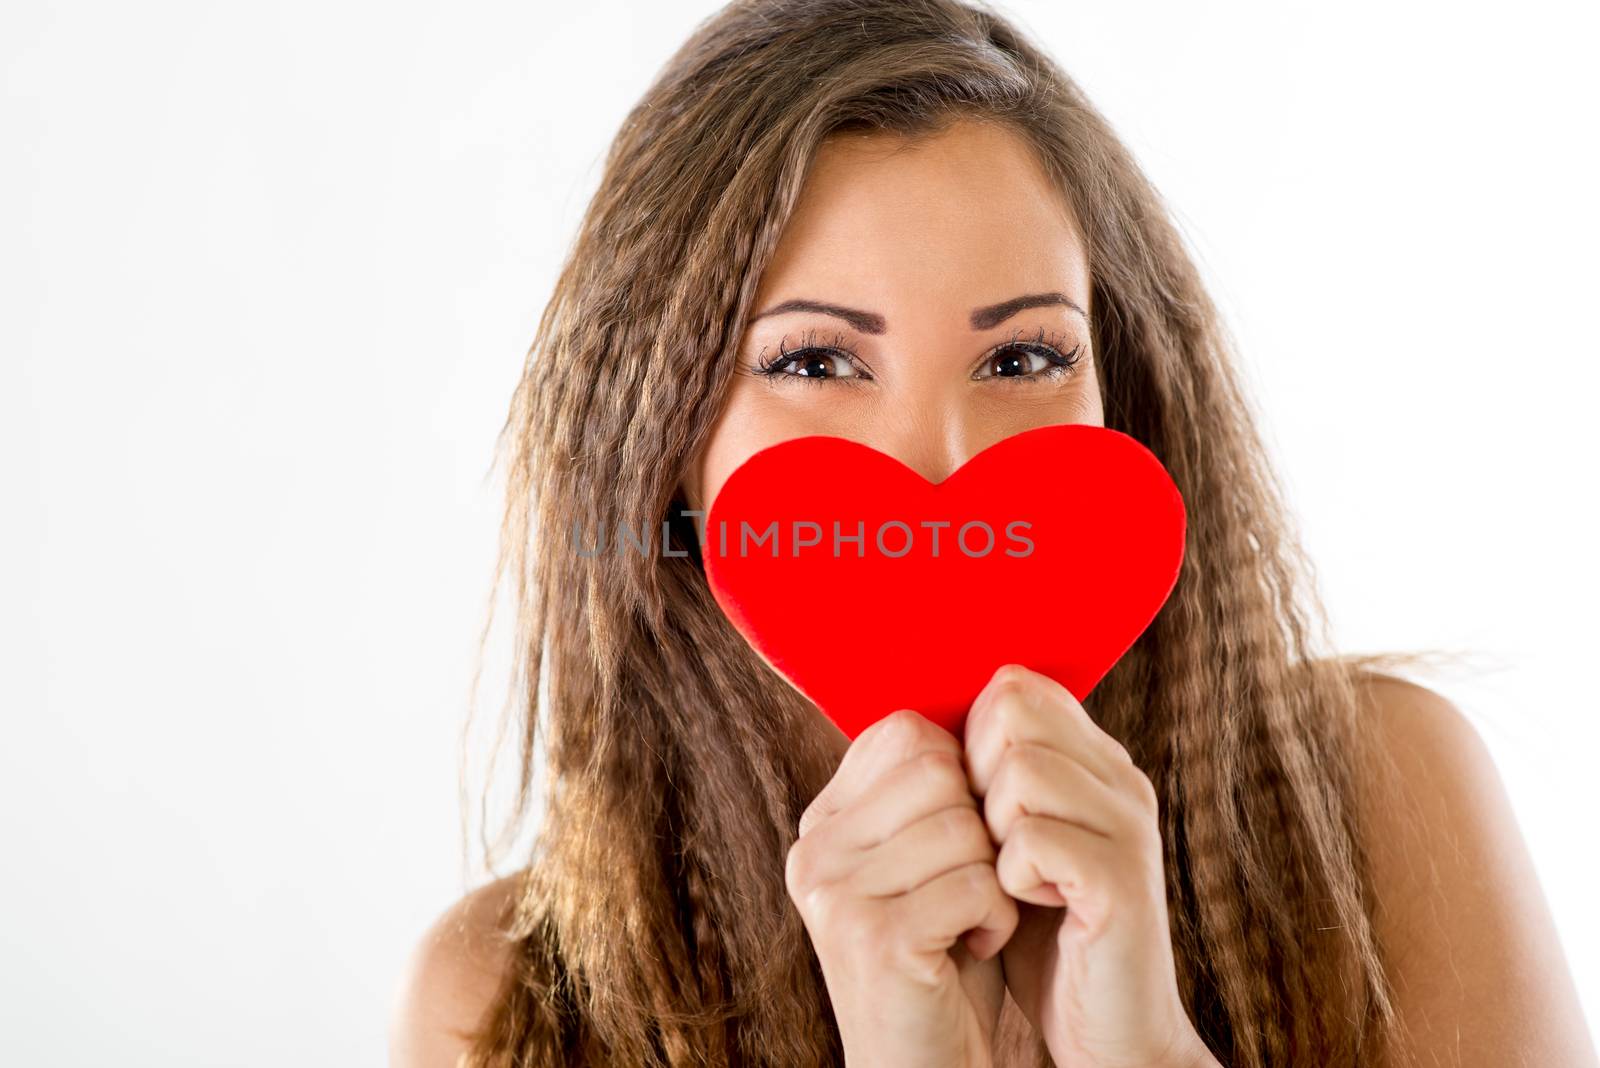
point(653, 926)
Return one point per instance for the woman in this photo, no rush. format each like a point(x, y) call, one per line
point(1238, 851)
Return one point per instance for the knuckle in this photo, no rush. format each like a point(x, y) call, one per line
point(1009, 690)
point(1023, 836)
point(1008, 675)
point(821, 906)
point(1020, 771)
point(809, 817)
point(1013, 706)
point(1029, 761)
point(962, 829)
point(949, 824)
point(940, 769)
point(874, 932)
point(1145, 790)
point(903, 725)
point(880, 732)
point(933, 761)
point(797, 869)
point(979, 878)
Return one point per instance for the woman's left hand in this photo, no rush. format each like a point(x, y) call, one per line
point(1074, 821)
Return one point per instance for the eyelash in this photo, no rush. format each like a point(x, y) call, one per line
point(1046, 346)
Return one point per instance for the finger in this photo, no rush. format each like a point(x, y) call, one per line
point(950, 838)
point(965, 901)
point(892, 740)
point(1019, 705)
point(931, 782)
point(1036, 780)
point(1047, 862)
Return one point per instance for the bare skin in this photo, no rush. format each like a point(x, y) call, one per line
point(1481, 978)
point(921, 235)
point(892, 867)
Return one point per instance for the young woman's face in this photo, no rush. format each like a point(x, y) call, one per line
point(921, 301)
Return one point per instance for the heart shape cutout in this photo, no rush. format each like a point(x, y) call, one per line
point(1085, 539)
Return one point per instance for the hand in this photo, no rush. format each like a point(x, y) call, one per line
point(1090, 965)
point(892, 867)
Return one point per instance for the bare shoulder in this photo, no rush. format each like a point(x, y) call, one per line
point(451, 978)
point(1478, 970)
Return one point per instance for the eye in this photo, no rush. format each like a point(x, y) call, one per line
point(1016, 360)
point(812, 362)
point(1040, 358)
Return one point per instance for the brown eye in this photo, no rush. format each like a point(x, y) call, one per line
point(814, 363)
point(1028, 362)
point(1011, 363)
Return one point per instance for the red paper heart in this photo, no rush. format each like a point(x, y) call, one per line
point(864, 635)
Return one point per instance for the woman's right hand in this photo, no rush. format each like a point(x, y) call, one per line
point(894, 864)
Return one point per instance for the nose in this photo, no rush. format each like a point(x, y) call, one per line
point(933, 440)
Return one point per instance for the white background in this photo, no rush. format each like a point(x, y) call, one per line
point(269, 272)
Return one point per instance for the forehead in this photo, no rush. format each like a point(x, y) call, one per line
point(966, 214)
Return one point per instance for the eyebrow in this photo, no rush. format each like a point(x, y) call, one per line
point(873, 323)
